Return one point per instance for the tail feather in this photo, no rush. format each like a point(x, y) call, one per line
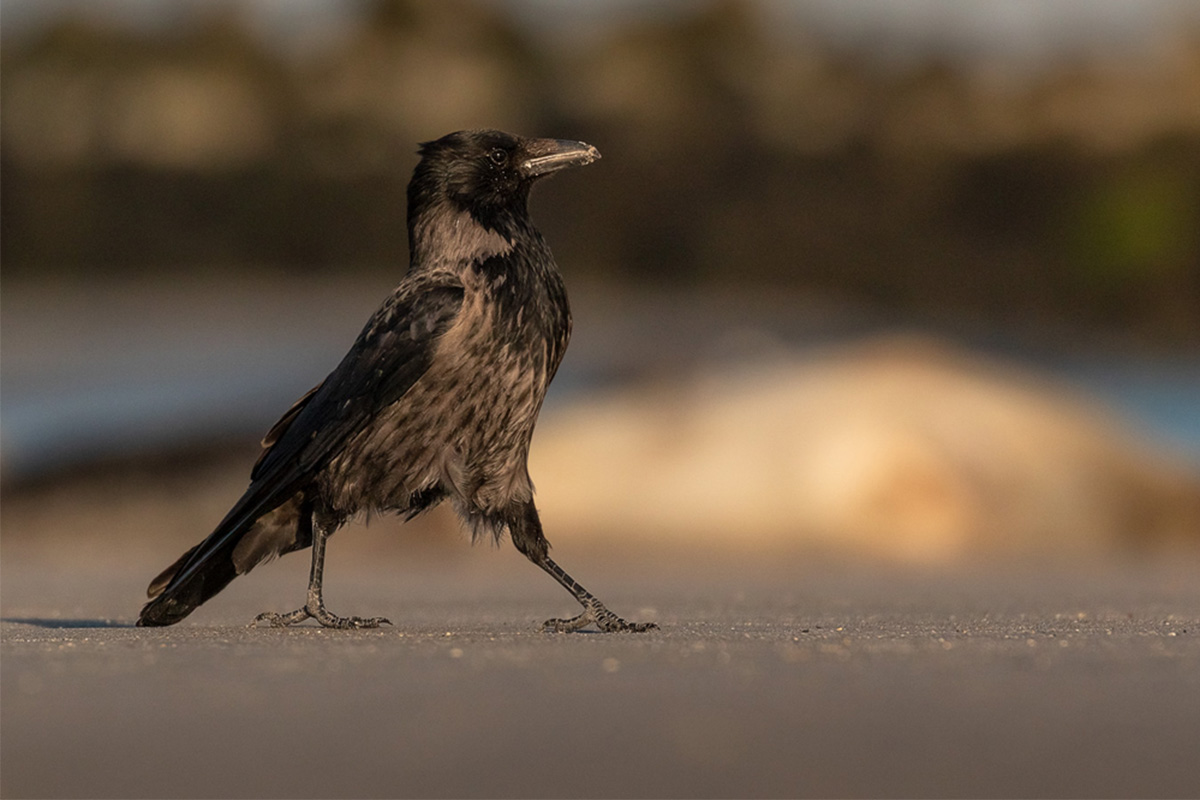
point(173, 603)
point(163, 578)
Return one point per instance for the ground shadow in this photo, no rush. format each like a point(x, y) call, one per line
point(68, 623)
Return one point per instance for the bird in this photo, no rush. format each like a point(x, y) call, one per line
point(435, 401)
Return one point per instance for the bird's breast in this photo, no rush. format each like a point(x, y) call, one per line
point(466, 424)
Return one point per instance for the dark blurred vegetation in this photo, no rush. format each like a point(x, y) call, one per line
point(734, 156)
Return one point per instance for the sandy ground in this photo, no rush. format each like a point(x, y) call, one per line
point(769, 677)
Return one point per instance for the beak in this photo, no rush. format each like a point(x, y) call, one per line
point(551, 155)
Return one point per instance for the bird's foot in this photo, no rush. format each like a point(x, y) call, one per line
point(594, 612)
point(327, 620)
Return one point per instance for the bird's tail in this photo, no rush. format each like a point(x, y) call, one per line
point(245, 538)
point(171, 603)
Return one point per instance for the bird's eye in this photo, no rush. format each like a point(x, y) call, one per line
point(498, 157)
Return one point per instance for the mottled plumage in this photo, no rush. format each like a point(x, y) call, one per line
point(436, 399)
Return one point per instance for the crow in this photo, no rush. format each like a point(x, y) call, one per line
point(436, 399)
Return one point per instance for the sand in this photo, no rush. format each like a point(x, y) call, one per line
point(769, 677)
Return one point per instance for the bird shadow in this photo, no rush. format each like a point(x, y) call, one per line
point(42, 622)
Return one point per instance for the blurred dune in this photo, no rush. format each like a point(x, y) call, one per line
point(898, 447)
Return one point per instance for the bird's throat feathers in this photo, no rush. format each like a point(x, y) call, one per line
point(443, 233)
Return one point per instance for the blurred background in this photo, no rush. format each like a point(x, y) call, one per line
point(917, 281)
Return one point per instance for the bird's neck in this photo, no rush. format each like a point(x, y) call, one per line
point(442, 235)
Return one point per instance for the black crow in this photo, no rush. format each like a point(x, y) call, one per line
point(436, 399)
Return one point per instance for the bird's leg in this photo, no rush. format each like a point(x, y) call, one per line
point(526, 531)
point(315, 607)
point(593, 610)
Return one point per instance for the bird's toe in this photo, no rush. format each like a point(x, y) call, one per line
point(277, 620)
point(595, 613)
point(569, 625)
point(343, 623)
point(611, 623)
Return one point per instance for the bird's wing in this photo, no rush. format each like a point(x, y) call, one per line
point(393, 351)
point(281, 425)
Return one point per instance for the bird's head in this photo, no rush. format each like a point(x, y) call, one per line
point(488, 174)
